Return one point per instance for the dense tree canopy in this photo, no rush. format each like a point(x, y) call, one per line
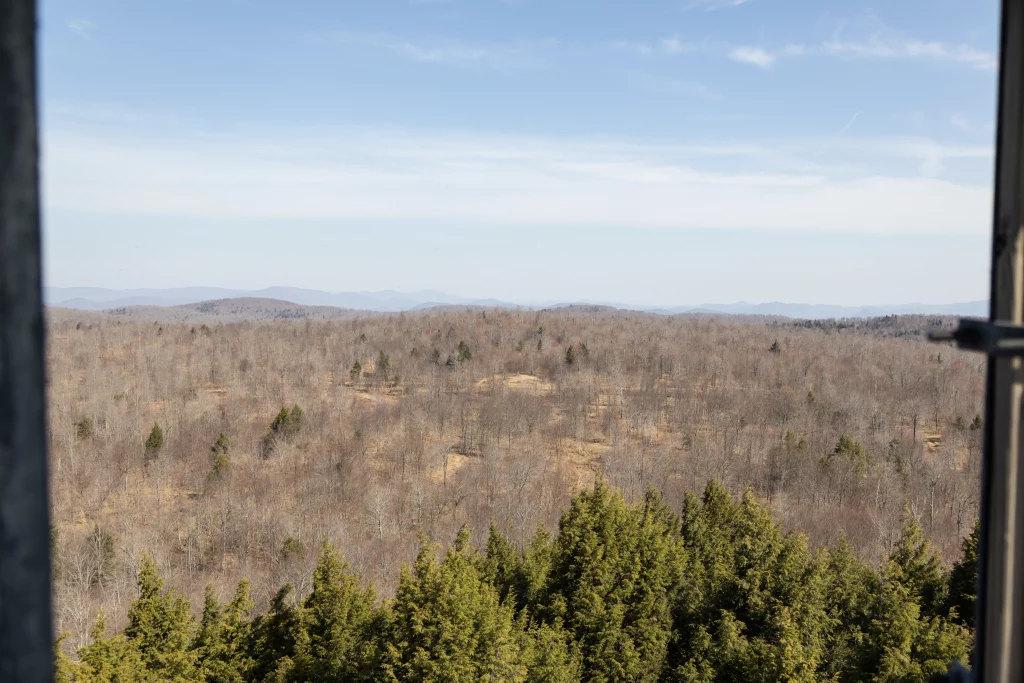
point(716, 592)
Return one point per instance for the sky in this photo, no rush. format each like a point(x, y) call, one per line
point(655, 152)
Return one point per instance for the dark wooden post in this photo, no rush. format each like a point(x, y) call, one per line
point(1000, 638)
point(26, 636)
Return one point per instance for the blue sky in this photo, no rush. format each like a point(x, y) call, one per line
point(648, 152)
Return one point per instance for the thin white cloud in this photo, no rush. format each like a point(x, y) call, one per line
point(82, 27)
point(674, 46)
point(712, 5)
point(440, 51)
point(754, 56)
point(897, 48)
point(962, 122)
point(849, 123)
point(637, 47)
point(865, 185)
point(671, 86)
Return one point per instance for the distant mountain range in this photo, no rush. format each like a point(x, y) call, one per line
point(98, 299)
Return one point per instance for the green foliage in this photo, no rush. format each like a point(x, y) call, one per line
point(613, 574)
point(464, 352)
point(160, 626)
point(288, 422)
point(221, 643)
point(976, 423)
point(334, 640)
point(155, 441)
point(851, 450)
point(220, 455)
point(101, 549)
point(570, 355)
point(622, 593)
point(272, 638)
point(751, 606)
point(383, 368)
point(83, 428)
point(775, 347)
point(292, 549)
point(918, 569)
point(447, 623)
point(963, 581)
point(356, 372)
point(109, 660)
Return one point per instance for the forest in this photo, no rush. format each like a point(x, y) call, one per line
point(620, 593)
point(616, 495)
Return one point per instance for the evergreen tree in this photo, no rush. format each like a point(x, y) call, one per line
point(220, 455)
point(570, 356)
point(383, 368)
point(611, 580)
point(851, 594)
point(298, 418)
point(160, 626)
point(221, 641)
point(963, 581)
point(464, 353)
point(334, 642)
point(919, 569)
point(448, 624)
point(154, 442)
point(550, 653)
point(110, 660)
point(903, 644)
point(502, 567)
point(64, 669)
point(750, 607)
point(272, 639)
point(356, 372)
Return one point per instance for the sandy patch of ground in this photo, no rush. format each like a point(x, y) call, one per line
point(518, 382)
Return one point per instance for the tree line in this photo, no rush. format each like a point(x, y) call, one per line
point(715, 591)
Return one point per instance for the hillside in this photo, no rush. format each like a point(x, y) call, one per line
point(231, 310)
point(416, 423)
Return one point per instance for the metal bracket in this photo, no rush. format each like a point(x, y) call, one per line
point(996, 339)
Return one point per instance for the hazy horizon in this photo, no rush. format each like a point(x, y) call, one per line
point(711, 150)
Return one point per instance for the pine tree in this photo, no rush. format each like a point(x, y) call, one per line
point(334, 642)
point(356, 372)
point(904, 645)
point(221, 642)
point(448, 624)
point(220, 456)
point(851, 595)
point(610, 581)
point(110, 660)
point(550, 653)
point(65, 670)
point(160, 625)
point(383, 368)
point(298, 419)
point(963, 581)
point(272, 639)
point(570, 356)
point(154, 442)
point(750, 607)
point(919, 569)
point(502, 566)
point(464, 352)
